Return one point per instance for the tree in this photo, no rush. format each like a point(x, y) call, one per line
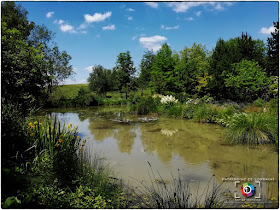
point(272, 63)
point(162, 74)
point(145, 69)
point(99, 80)
point(229, 52)
point(23, 79)
point(193, 63)
point(57, 63)
point(125, 69)
point(248, 81)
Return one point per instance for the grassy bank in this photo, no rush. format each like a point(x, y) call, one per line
point(250, 123)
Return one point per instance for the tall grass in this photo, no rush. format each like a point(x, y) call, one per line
point(253, 128)
point(178, 194)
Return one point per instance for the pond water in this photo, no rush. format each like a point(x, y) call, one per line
point(198, 150)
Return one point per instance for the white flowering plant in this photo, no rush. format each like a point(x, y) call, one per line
point(169, 99)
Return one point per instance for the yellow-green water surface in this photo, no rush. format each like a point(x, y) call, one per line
point(198, 150)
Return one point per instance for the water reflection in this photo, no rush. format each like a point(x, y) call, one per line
point(199, 150)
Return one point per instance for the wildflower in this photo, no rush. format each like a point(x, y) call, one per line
point(61, 136)
point(60, 140)
point(35, 123)
point(40, 124)
point(68, 126)
point(43, 128)
point(32, 134)
point(57, 145)
point(30, 124)
point(78, 137)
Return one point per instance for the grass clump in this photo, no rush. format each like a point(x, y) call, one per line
point(252, 128)
point(177, 194)
point(145, 105)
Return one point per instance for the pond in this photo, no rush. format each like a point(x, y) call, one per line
point(198, 150)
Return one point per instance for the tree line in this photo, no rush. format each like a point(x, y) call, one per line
point(32, 64)
point(239, 69)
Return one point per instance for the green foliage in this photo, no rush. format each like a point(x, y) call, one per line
point(252, 128)
point(11, 202)
point(145, 69)
point(227, 53)
point(145, 105)
point(175, 111)
point(191, 69)
point(125, 70)
point(201, 113)
point(85, 99)
point(100, 80)
point(247, 81)
point(274, 86)
point(12, 130)
point(272, 62)
point(28, 64)
point(259, 102)
point(162, 73)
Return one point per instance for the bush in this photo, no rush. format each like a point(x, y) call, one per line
point(12, 130)
point(259, 102)
point(146, 105)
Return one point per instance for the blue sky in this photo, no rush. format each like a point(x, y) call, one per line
point(94, 33)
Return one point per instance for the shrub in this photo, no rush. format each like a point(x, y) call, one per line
point(146, 106)
point(259, 102)
point(174, 111)
point(252, 128)
point(12, 130)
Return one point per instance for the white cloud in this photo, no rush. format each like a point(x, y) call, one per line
point(169, 28)
point(97, 17)
point(198, 13)
point(219, 6)
point(98, 36)
point(82, 26)
point(89, 68)
point(152, 42)
point(58, 22)
point(83, 32)
point(267, 31)
point(130, 18)
point(49, 14)
point(152, 4)
point(131, 10)
point(134, 37)
point(185, 6)
point(109, 27)
point(190, 18)
point(67, 28)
